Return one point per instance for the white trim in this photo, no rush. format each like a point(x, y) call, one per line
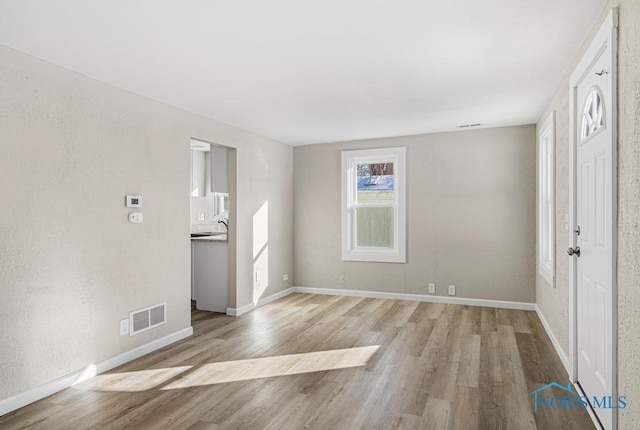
point(382, 295)
point(236, 312)
point(38, 393)
point(546, 185)
point(606, 36)
point(563, 356)
point(349, 159)
point(419, 298)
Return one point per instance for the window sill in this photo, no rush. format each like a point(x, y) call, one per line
point(374, 257)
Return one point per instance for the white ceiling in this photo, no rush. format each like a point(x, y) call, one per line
point(303, 71)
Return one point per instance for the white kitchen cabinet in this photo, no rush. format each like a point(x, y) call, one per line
point(198, 173)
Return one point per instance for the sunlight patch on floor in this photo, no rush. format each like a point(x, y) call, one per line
point(229, 371)
point(243, 370)
point(140, 380)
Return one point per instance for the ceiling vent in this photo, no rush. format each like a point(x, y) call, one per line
point(469, 125)
point(147, 318)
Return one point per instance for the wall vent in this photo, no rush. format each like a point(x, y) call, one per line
point(147, 318)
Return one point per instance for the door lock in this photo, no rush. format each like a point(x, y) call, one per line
point(574, 251)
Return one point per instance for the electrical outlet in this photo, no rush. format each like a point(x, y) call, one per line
point(452, 290)
point(124, 327)
point(432, 288)
point(285, 277)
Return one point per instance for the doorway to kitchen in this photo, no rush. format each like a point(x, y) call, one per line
point(212, 226)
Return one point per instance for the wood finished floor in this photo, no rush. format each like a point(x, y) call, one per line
point(437, 367)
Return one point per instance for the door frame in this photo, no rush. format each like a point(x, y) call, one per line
point(606, 37)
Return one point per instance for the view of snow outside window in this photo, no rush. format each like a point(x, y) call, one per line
point(374, 209)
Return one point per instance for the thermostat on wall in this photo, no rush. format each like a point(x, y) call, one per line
point(134, 201)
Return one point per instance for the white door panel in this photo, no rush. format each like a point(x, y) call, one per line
point(594, 188)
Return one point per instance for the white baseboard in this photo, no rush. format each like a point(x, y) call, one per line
point(419, 298)
point(38, 393)
point(554, 341)
point(236, 312)
point(382, 295)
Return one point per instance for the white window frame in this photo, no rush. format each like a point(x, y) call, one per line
point(350, 252)
point(546, 200)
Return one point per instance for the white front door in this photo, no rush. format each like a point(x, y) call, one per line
point(594, 235)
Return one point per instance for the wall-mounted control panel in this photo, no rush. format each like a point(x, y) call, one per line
point(133, 201)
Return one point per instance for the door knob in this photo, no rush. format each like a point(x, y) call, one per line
point(572, 251)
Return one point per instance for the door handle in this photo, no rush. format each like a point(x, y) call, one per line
point(572, 251)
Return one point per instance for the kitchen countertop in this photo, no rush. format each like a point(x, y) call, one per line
point(218, 238)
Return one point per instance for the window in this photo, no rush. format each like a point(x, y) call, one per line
point(546, 200)
point(373, 205)
point(592, 114)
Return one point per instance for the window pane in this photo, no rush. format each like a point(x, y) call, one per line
point(546, 198)
point(374, 227)
point(375, 183)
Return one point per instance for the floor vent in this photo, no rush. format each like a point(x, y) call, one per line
point(144, 319)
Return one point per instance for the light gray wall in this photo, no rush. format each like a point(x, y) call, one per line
point(71, 264)
point(629, 211)
point(554, 303)
point(470, 216)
